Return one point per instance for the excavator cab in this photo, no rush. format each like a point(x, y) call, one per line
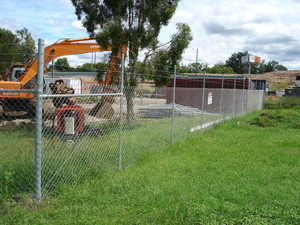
point(24, 76)
point(16, 71)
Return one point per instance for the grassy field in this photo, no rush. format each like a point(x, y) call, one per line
point(99, 150)
point(245, 171)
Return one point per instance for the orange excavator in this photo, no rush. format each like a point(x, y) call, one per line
point(24, 76)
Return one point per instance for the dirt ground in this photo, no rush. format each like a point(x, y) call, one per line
point(49, 112)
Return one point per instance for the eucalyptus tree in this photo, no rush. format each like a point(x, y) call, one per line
point(164, 59)
point(135, 23)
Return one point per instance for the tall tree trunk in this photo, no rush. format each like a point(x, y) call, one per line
point(130, 88)
point(129, 93)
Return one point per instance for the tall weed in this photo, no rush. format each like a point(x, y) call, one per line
point(285, 102)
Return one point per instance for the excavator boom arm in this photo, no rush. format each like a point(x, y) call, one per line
point(62, 48)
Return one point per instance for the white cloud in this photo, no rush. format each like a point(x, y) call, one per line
point(220, 28)
point(269, 28)
point(56, 21)
point(77, 25)
point(10, 24)
point(295, 26)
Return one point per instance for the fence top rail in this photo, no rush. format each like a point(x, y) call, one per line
point(81, 95)
point(18, 90)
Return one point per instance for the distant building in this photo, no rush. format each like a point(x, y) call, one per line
point(217, 91)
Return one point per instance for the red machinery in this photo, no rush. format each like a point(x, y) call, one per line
point(64, 124)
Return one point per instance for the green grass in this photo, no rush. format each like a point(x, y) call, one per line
point(17, 161)
point(282, 118)
point(274, 86)
point(272, 102)
point(237, 173)
point(93, 152)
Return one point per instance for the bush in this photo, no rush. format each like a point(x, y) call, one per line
point(278, 118)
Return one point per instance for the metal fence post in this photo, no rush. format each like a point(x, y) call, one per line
point(243, 99)
point(173, 109)
point(233, 105)
point(251, 100)
point(121, 114)
point(221, 100)
point(203, 99)
point(39, 120)
point(249, 87)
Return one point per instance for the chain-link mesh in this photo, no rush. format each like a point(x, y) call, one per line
point(79, 139)
point(17, 126)
point(100, 129)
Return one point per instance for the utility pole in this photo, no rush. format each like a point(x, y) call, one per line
point(249, 67)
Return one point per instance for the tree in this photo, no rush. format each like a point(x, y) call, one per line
point(183, 69)
point(195, 67)
point(135, 23)
point(273, 66)
point(221, 70)
point(62, 64)
point(8, 49)
point(261, 66)
point(87, 67)
point(179, 42)
point(101, 69)
point(280, 67)
point(235, 62)
point(26, 45)
point(159, 67)
point(163, 60)
point(15, 48)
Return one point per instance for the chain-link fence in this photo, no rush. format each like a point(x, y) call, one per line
point(51, 140)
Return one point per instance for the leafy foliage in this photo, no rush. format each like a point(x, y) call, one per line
point(179, 42)
point(62, 64)
point(26, 45)
point(194, 68)
point(135, 23)
point(273, 66)
point(101, 71)
point(18, 47)
point(160, 67)
point(278, 118)
point(235, 62)
point(220, 68)
point(163, 60)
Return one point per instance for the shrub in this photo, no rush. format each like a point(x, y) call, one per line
point(278, 118)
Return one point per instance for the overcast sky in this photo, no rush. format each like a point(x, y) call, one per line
point(269, 29)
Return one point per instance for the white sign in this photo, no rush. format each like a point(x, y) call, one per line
point(245, 59)
point(210, 98)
